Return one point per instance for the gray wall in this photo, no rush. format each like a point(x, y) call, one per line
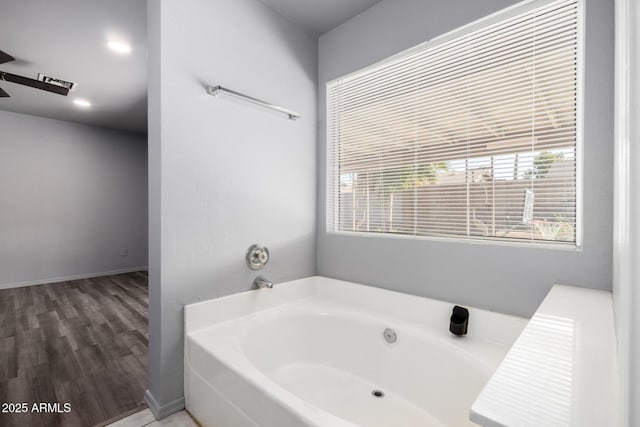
point(626, 275)
point(71, 196)
point(223, 173)
point(504, 278)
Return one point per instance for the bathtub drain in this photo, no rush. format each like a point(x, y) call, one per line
point(377, 394)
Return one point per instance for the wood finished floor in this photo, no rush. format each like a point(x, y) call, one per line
point(83, 342)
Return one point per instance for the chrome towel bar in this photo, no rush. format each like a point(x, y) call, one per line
point(216, 90)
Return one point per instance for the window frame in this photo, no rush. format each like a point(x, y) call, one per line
point(493, 18)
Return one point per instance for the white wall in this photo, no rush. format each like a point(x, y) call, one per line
point(626, 268)
point(71, 196)
point(223, 173)
point(504, 278)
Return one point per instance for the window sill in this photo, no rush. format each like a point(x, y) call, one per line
point(470, 240)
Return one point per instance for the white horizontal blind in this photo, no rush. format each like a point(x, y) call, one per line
point(472, 137)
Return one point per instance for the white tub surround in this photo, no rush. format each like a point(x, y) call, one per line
point(562, 371)
point(311, 352)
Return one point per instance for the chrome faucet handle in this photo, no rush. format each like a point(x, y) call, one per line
point(257, 256)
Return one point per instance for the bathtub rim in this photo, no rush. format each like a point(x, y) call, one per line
point(409, 307)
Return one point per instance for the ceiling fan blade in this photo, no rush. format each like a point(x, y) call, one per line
point(4, 94)
point(5, 57)
point(26, 81)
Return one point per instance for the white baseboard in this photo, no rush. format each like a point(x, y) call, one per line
point(67, 278)
point(162, 411)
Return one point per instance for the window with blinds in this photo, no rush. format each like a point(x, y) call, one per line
point(474, 135)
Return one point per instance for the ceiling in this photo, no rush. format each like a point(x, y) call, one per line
point(319, 16)
point(67, 39)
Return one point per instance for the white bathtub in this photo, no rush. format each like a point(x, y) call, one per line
point(310, 353)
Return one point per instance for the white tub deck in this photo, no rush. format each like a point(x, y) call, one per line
point(563, 369)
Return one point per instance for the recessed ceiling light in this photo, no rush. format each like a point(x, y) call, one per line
point(82, 103)
point(119, 47)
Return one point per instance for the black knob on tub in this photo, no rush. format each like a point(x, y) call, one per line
point(459, 321)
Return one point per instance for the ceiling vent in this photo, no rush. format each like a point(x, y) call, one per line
point(72, 86)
